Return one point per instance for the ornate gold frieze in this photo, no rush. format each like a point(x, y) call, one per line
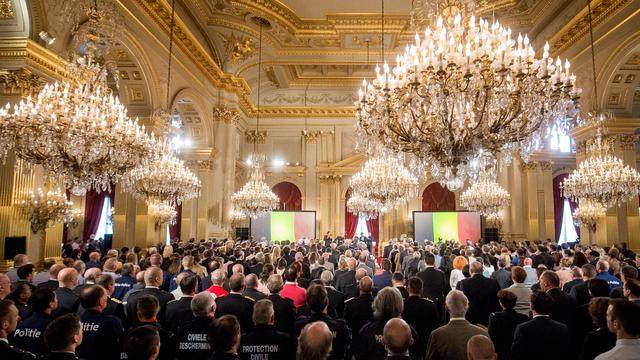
point(237, 48)
point(330, 178)
point(21, 82)
point(311, 136)
point(201, 164)
point(546, 165)
point(315, 99)
point(528, 166)
point(301, 111)
point(255, 136)
point(627, 142)
point(6, 9)
point(28, 54)
point(226, 114)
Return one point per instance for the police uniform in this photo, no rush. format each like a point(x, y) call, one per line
point(100, 336)
point(369, 344)
point(122, 286)
point(266, 343)
point(115, 308)
point(8, 352)
point(29, 334)
point(339, 329)
point(254, 294)
point(60, 355)
point(357, 312)
point(238, 305)
point(284, 313)
point(167, 340)
point(178, 312)
point(68, 302)
point(193, 339)
point(422, 314)
point(132, 302)
point(224, 356)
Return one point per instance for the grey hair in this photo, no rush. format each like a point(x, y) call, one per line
point(387, 304)
point(203, 304)
point(312, 346)
point(274, 283)
point(326, 277)
point(457, 303)
point(217, 277)
point(251, 281)
point(262, 312)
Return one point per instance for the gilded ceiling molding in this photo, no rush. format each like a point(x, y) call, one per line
point(21, 82)
point(6, 9)
point(255, 136)
point(226, 114)
point(546, 165)
point(311, 136)
point(237, 48)
point(32, 56)
point(579, 27)
point(301, 111)
point(627, 142)
point(320, 99)
point(528, 166)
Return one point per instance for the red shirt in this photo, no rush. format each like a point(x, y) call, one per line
point(294, 292)
point(218, 290)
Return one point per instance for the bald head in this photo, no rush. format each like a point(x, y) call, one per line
point(480, 347)
point(366, 284)
point(68, 278)
point(153, 276)
point(315, 341)
point(396, 336)
point(360, 273)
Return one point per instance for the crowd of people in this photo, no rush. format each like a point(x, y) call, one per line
point(324, 299)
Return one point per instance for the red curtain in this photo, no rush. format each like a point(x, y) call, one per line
point(290, 196)
point(175, 230)
point(350, 220)
point(558, 203)
point(93, 209)
point(437, 198)
point(372, 226)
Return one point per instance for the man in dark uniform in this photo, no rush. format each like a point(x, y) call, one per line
point(318, 302)
point(8, 321)
point(68, 301)
point(193, 336)
point(420, 313)
point(179, 311)
point(336, 298)
point(265, 342)
point(29, 334)
point(285, 311)
point(114, 306)
point(153, 282)
point(124, 282)
point(236, 304)
point(251, 288)
point(358, 311)
point(101, 333)
point(434, 284)
point(148, 308)
point(225, 338)
point(63, 335)
point(346, 282)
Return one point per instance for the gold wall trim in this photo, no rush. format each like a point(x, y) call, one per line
point(26, 52)
point(297, 111)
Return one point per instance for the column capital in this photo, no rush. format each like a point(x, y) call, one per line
point(528, 165)
point(255, 136)
point(20, 82)
point(226, 114)
point(311, 136)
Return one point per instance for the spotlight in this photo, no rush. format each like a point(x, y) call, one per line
point(47, 38)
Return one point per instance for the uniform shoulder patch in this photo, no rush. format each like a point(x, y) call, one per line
point(117, 301)
point(349, 299)
point(427, 299)
point(252, 299)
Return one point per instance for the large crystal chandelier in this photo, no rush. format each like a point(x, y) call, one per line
point(162, 213)
point(164, 179)
point(602, 178)
point(43, 209)
point(77, 130)
point(255, 199)
point(364, 207)
point(385, 180)
point(587, 214)
point(466, 85)
point(485, 196)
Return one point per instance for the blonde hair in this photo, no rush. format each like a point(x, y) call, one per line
point(167, 252)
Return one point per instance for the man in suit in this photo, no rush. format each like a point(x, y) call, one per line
point(237, 304)
point(502, 324)
point(503, 274)
point(251, 288)
point(541, 337)
point(284, 310)
point(358, 311)
point(397, 339)
point(68, 301)
point(52, 282)
point(576, 279)
point(481, 293)
point(564, 308)
point(542, 257)
point(420, 313)
point(153, 282)
point(346, 283)
point(449, 342)
point(257, 268)
point(580, 292)
point(336, 298)
point(434, 283)
point(387, 249)
point(179, 311)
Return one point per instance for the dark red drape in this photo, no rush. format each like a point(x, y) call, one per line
point(290, 196)
point(437, 198)
point(350, 219)
point(93, 209)
point(372, 226)
point(558, 203)
point(175, 230)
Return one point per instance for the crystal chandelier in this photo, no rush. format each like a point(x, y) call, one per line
point(72, 216)
point(602, 178)
point(485, 196)
point(78, 130)
point(494, 220)
point(587, 214)
point(465, 86)
point(237, 217)
point(164, 179)
point(364, 207)
point(255, 198)
point(163, 213)
point(385, 180)
point(43, 209)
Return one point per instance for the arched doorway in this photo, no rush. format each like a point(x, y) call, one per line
point(289, 195)
point(438, 198)
point(559, 211)
point(351, 222)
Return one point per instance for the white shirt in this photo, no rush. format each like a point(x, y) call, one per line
point(456, 275)
point(625, 349)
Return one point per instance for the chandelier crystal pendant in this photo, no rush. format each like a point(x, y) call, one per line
point(364, 207)
point(255, 199)
point(43, 209)
point(587, 213)
point(164, 179)
point(465, 86)
point(485, 196)
point(385, 180)
point(602, 178)
point(163, 213)
point(494, 220)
